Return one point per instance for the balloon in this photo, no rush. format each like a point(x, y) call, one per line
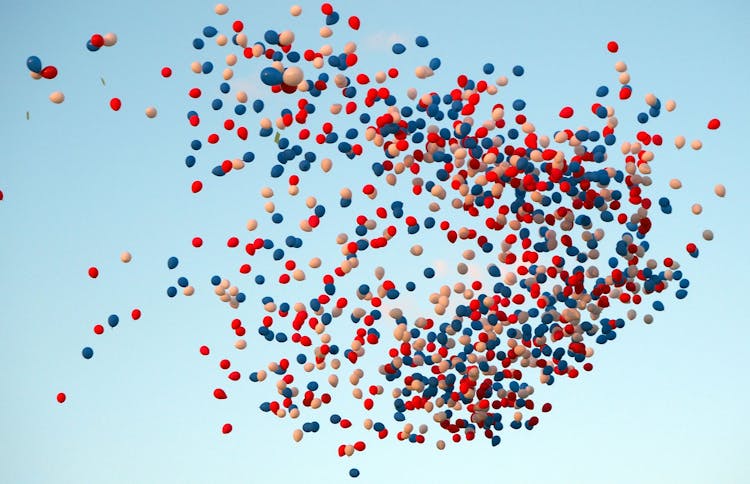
point(97, 40)
point(87, 352)
point(34, 64)
point(61, 397)
point(110, 39)
point(115, 104)
point(57, 97)
point(221, 9)
point(720, 190)
point(93, 272)
point(49, 72)
point(293, 76)
point(150, 112)
point(126, 257)
point(271, 77)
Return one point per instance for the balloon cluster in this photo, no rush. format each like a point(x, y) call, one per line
point(539, 283)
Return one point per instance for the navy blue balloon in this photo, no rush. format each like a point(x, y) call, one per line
point(398, 48)
point(270, 76)
point(91, 47)
point(421, 41)
point(113, 320)
point(172, 262)
point(518, 71)
point(34, 64)
point(87, 353)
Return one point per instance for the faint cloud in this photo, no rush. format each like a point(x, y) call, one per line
point(382, 41)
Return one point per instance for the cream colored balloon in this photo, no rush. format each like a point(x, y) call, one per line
point(110, 39)
point(293, 76)
point(126, 257)
point(57, 97)
point(150, 112)
point(221, 9)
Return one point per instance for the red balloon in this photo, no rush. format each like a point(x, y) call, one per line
point(226, 428)
point(97, 40)
point(98, 329)
point(49, 72)
point(61, 397)
point(612, 46)
point(204, 350)
point(197, 242)
point(219, 394)
point(166, 72)
point(354, 22)
point(196, 186)
point(115, 104)
point(713, 124)
point(93, 272)
point(135, 314)
point(566, 112)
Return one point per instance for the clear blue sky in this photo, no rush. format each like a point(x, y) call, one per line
point(82, 183)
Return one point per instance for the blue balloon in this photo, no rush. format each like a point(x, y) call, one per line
point(87, 353)
point(488, 68)
point(172, 262)
point(271, 36)
point(171, 291)
point(91, 47)
point(34, 64)
point(271, 77)
point(421, 41)
point(518, 71)
point(398, 48)
point(332, 19)
point(354, 472)
point(113, 320)
point(209, 31)
point(207, 67)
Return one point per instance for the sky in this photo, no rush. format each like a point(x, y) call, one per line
point(82, 183)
